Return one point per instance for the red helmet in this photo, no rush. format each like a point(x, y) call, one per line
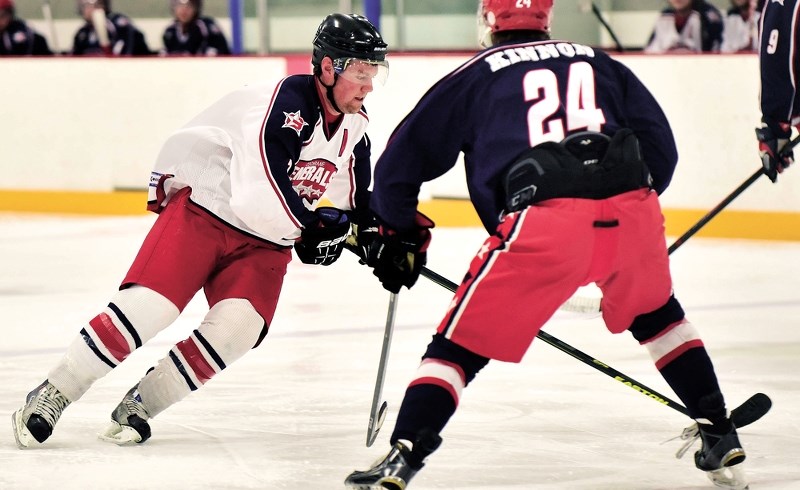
point(517, 15)
point(7, 5)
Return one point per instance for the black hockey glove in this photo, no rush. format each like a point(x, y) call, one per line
point(771, 147)
point(323, 244)
point(397, 258)
point(365, 231)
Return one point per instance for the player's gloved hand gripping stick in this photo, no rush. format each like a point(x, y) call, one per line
point(398, 257)
point(775, 148)
point(323, 244)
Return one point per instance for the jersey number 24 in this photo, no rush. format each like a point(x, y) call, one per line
point(581, 111)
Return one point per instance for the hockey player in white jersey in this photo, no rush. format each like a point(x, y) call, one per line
point(236, 189)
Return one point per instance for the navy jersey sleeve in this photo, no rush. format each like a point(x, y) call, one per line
point(423, 147)
point(282, 145)
point(362, 169)
point(778, 59)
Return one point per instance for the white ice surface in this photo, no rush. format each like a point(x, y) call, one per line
point(293, 413)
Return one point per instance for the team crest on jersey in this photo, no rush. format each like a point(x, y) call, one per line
point(294, 121)
point(311, 178)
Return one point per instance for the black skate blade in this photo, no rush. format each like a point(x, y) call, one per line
point(751, 410)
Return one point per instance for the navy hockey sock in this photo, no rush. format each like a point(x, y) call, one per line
point(691, 375)
point(425, 406)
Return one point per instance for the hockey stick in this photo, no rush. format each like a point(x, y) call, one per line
point(748, 412)
point(599, 15)
point(724, 203)
point(592, 305)
point(715, 211)
point(99, 24)
point(377, 412)
point(47, 13)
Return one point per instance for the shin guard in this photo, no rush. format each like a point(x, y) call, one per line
point(678, 352)
point(432, 397)
point(230, 329)
point(133, 317)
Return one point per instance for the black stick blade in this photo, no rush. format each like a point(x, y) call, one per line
point(751, 410)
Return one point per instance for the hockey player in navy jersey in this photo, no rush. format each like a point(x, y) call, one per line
point(235, 190)
point(780, 68)
point(192, 33)
point(566, 152)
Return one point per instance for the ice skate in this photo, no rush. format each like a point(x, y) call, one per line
point(128, 421)
point(398, 467)
point(721, 457)
point(34, 422)
point(393, 472)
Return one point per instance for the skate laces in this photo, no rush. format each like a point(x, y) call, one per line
point(49, 404)
point(690, 435)
point(134, 406)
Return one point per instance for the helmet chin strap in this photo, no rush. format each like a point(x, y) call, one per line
point(329, 92)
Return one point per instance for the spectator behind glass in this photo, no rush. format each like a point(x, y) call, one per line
point(741, 27)
point(16, 37)
point(191, 33)
point(117, 36)
point(687, 26)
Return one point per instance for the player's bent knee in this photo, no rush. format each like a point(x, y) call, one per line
point(446, 350)
point(649, 325)
point(232, 327)
point(141, 312)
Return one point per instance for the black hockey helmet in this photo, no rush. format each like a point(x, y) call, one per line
point(348, 36)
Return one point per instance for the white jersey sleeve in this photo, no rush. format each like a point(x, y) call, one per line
point(260, 159)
